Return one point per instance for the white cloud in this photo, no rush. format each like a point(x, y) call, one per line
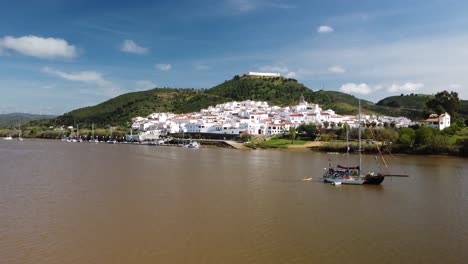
point(145, 84)
point(325, 29)
point(39, 47)
point(290, 75)
point(407, 87)
point(273, 68)
point(281, 69)
point(164, 67)
point(378, 87)
point(365, 89)
point(132, 47)
point(87, 77)
point(354, 88)
point(336, 69)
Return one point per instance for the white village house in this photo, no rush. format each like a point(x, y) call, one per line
point(440, 122)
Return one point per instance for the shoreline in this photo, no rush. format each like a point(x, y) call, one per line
point(308, 146)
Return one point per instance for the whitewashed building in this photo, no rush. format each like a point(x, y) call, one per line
point(440, 122)
point(257, 118)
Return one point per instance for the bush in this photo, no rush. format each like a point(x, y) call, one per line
point(407, 136)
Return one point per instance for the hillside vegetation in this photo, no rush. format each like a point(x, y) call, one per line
point(412, 105)
point(276, 91)
point(14, 119)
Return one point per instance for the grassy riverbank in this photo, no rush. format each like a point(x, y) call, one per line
point(273, 143)
point(424, 142)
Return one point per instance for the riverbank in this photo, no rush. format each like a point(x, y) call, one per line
point(457, 148)
point(367, 148)
point(307, 146)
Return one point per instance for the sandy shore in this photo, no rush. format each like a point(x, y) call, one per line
point(306, 146)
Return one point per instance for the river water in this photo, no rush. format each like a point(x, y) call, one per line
point(100, 203)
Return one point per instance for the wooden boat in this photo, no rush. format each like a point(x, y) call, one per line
point(352, 174)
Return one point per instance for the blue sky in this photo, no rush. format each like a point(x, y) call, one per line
point(56, 56)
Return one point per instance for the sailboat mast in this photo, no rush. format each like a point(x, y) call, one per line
point(359, 133)
point(347, 146)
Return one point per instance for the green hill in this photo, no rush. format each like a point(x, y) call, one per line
point(275, 90)
point(414, 105)
point(119, 110)
point(13, 119)
point(413, 101)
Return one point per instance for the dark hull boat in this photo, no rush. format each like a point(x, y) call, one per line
point(353, 175)
point(374, 179)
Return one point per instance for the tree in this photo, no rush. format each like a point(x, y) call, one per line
point(245, 137)
point(407, 136)
point(424, 135)
point(386, 135)
point(35, 130)
point(308, 129)
point(439, 143)
point(394, 104)
point(292, 134)
point(445, 102)
point(341, 133)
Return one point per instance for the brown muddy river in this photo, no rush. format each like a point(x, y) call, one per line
point(100, 203)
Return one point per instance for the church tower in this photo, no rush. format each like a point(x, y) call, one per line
point(302, 101)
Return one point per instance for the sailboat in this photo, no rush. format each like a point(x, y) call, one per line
point(93, 139)
point(193, 144)
point(352, 174)
point(19, 129)
point(9, 137)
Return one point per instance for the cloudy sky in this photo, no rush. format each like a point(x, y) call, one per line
point(58, 55)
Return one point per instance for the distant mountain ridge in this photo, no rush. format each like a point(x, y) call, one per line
point(13, 119)
point(274, 90)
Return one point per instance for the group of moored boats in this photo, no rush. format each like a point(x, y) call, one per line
point(11, 138)
point(19, 135)
point(190, 144)
point(80, 140)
